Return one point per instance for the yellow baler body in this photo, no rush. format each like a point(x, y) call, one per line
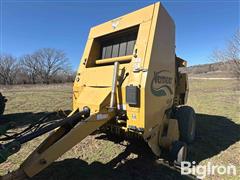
point(151, 67)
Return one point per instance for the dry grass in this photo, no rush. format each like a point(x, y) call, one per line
point(98, 157)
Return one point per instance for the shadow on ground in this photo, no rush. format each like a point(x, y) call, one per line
point(143, 167)
point(214, 134)
point(23, 119)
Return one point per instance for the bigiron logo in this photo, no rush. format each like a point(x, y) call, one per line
point(160, 83)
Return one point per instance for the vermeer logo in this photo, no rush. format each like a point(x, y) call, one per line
point(115, 23)
point(160, 83)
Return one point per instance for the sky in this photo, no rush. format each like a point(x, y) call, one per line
point(28, 25)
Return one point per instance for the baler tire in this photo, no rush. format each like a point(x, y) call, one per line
point(177, 153)
point(2, 104)
point(187, 123)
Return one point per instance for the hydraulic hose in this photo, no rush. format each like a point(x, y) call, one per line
point(14, 146)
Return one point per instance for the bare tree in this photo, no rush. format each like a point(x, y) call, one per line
point(30, 64)
point(8, 68)
point(45, 65)
point(233, 54)
point(230, 56)
point(50, 62)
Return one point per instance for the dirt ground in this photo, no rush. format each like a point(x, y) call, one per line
point(99, 156)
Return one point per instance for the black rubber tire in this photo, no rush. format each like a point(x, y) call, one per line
point(187, 123)
point(175, 156)
point(2, 104)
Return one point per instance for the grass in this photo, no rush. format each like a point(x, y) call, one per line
point(216, 103)
point(216, 97)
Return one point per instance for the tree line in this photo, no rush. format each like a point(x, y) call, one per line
point(47, 65)
point(229, 56)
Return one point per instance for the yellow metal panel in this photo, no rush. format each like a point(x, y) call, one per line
point(92, 97)
point(123, 22)
point(160, 60)
point(36, 162)
point(98, 76)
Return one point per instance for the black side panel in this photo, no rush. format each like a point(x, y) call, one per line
point(132, 95)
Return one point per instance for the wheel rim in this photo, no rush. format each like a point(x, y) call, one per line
point(182, 154)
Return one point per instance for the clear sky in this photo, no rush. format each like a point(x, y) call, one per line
point(26, 26)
